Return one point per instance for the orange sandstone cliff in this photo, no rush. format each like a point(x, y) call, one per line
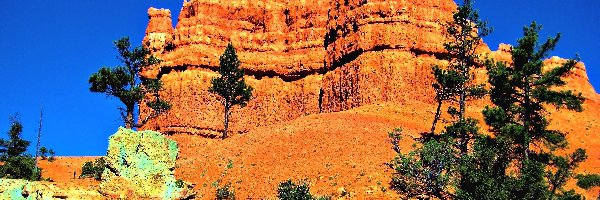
point(302, 57)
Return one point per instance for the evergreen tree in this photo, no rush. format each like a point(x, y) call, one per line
point(519, 92)
point(17, 164)
point(125, 83)
point(453, 84)
point(230, 86)
point(433, 168)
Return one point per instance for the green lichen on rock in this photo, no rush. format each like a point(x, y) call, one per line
point(23, 189)
point(142, 164)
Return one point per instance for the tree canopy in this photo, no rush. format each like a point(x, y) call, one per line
point(125, 83)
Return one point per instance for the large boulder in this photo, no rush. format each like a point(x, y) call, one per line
point(141, 165)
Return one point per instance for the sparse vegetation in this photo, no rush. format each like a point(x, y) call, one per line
point(125, 83)
point(44, 152)
point(16, 163)
point(93, 169)
point(230, 86)
point(225, 193)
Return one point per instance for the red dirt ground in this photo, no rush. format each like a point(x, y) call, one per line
point(334, 152)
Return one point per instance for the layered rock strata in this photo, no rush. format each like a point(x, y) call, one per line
point(302, 57)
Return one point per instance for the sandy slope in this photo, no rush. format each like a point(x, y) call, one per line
point(335, 152)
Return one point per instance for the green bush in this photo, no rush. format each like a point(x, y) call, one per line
point(289, 190)
point(225, 193)
point(44, 154)
point(588, 181)
point(94, 169)
point(20, 167)
point(179, 183)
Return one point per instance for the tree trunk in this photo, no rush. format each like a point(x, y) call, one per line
point(437, 116)
point(527, 123)
point(129, 118)
point(462, 104)
point(226, 122)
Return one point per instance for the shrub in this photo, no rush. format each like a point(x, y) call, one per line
point(289, 190)
point(43, 152)
point(51, 158)
point(225, 193)
point(94, 169)
point(179, 183)
point(588, 181)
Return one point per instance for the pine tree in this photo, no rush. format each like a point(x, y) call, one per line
point(17, 164)
point(125, 83)
point(230, 86)
point(455, 84)
point(432, 168)
point(520, 91)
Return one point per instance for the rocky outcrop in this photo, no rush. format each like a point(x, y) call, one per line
point(141, 165)
point(302, 57)
point(273, 37)
point(382, 51)
point(22, 189)
point(17, 189)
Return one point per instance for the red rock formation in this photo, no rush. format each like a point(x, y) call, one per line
point(160, 31)
point(303, 57)
point(379, 48)
point(280, 44)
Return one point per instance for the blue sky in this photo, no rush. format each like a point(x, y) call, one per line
point(49, 49)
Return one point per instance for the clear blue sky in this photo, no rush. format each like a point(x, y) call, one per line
point(49, 49)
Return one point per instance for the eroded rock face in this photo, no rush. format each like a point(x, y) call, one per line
point(302, 57)
point(141, 165)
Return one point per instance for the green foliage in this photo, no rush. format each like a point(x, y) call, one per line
point(44, 154)
point(225, 193)
point(289, 190)
point(52, 153)
point(17, 164)
point(395, 137)
point(454, 84)
point(588, 181)
point(425, 170)
point(502, 166)
point(94, 169)
point(179, 183)
point(230, 86)
point(517, 119)
point(125, 83)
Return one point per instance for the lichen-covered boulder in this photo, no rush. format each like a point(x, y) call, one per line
point(141, 165)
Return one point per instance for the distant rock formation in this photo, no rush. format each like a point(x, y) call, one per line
point(141, 165)
point(302, 57)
